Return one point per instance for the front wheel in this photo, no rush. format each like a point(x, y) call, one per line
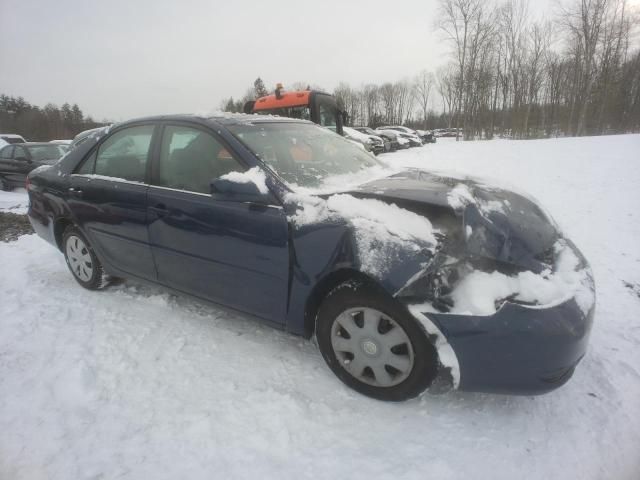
point(373, 344)
point(82, 260)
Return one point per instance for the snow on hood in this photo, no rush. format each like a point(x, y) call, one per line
point(383, 232)
point(481, 293)
point(460, 196)
point(348, 181)
point(255, 175)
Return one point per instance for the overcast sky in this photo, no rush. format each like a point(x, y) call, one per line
point(120, 59)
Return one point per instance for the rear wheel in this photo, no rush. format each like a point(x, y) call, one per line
point(373, 344)
point(82, 260)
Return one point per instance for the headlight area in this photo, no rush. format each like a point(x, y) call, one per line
point(481, 286)
point(435, 286)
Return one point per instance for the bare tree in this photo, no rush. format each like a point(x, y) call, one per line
point(423, 84)
point(456, 20)
point(584, 20)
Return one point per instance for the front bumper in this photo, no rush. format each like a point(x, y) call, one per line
point(520, 349)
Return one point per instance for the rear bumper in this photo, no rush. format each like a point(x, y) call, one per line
point(42, 223)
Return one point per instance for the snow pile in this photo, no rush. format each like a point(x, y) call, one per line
point(479, 292)
point(382, 231)
point(254, 175)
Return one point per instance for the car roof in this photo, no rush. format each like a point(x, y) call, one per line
point(217, 118)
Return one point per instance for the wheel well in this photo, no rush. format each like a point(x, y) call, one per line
point(322, 289)
point(58, 230)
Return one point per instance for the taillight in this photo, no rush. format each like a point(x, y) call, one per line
point(27, 183)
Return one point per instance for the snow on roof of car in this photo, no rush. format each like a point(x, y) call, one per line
point(356, 134)
point(10, 135)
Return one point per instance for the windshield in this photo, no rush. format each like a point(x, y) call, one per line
point(305, 155)
point(46, 153)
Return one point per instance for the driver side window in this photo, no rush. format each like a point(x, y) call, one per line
point(191, 158)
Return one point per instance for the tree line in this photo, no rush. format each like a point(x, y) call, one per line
point(575, 74)
point(42, 124)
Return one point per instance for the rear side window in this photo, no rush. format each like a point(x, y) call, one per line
point(6, 152)
point(125, 154)
point(20, 153)
point(191, 158)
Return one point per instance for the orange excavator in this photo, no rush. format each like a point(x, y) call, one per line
point(316, 106)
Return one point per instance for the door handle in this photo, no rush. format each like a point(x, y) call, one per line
point(160, 209)
point(74, 192)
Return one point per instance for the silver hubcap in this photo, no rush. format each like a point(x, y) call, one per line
point(79, 258)
point(372, 347)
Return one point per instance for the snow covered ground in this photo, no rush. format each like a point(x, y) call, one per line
point(15, 201)
point(132, 382)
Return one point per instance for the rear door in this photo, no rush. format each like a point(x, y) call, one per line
point(234, 253)
point(108, 198)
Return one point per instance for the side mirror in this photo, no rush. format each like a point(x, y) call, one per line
point(237, 191)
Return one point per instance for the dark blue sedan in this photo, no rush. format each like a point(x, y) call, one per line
point(407, 279)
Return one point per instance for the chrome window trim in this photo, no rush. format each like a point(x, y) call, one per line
point(209, 195)
point(122, 180)
point(92, 176)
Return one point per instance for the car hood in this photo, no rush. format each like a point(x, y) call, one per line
point(486, 221)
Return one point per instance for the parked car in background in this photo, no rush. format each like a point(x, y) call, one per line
point(405, 140)
point(426, 136)
point(390, 141)
point(409, 134)
point(446, 132)
point(286, 221)
point(12, 138)
point(17, 160)
point(372, 143)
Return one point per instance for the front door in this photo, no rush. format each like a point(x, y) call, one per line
point(233, 253)
point(108, 198)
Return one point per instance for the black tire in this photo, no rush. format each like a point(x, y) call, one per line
point(97, 279)
point(353, 294)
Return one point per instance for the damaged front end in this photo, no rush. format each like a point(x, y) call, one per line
point(508, 301)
